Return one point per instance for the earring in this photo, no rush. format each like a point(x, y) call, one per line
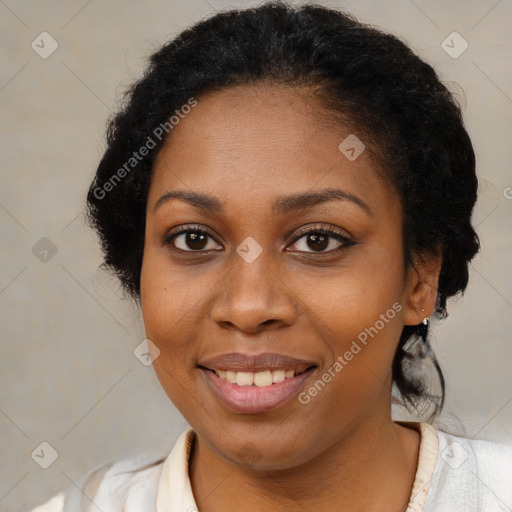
point(423, 328)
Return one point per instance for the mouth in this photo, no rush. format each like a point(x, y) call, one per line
point(255, 384)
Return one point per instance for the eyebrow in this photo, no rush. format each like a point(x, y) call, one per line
point(283, 204)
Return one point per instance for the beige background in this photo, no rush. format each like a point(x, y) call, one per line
point(67, 372)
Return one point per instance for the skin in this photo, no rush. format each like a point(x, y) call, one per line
point(248, 145)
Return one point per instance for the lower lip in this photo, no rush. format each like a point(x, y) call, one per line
point(255, 399)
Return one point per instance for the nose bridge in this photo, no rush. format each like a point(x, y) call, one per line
point(252, 293)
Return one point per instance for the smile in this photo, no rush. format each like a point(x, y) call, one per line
point(255, 384)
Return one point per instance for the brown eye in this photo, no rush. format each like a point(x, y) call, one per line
point(191, 239)
point(320, 239)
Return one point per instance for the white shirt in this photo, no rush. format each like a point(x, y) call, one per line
point(454, 474)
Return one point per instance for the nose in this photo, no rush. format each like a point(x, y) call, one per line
point(254, 297)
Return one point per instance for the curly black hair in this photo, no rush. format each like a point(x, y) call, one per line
point(369, 78)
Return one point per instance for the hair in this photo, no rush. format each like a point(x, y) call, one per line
point(368, 78)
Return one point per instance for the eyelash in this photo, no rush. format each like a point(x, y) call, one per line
point(330, 231)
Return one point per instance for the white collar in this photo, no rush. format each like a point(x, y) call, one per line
point(174, 490)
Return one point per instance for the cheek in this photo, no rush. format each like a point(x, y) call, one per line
point(165, 323)
point(170, 296)
point(164, 316)
point(173, 306)
point(355, 295)
point(359, 315)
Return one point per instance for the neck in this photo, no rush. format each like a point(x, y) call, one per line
point(371, 468)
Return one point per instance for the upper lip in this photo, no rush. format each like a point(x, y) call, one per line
point(239, 362)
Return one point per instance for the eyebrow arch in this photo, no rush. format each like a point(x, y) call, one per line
point(283, 204)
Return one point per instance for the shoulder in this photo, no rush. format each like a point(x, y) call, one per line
point(54, 504)
point(130, 482)
point(471, 475)
point(482, 455)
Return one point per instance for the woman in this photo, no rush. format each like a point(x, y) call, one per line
point(287, 194)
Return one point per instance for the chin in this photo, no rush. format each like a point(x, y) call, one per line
point(265, 455)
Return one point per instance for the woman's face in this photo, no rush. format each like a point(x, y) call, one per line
point(267, 291)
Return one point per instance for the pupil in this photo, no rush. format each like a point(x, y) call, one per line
point(319, 242)
point(196, 240)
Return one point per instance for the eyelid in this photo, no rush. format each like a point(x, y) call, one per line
point(331, 230)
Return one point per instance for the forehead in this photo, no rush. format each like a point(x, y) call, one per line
point(260, 140)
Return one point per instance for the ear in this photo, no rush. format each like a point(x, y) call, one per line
point(421, 287)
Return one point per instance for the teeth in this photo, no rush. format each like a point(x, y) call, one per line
point(263, 378)
point(260, 379)
point(278, 375)
point(244, 378)
point(230, 377)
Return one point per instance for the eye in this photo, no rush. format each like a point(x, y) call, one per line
point(194, 238)
point(320, 238)
point(191, 238)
